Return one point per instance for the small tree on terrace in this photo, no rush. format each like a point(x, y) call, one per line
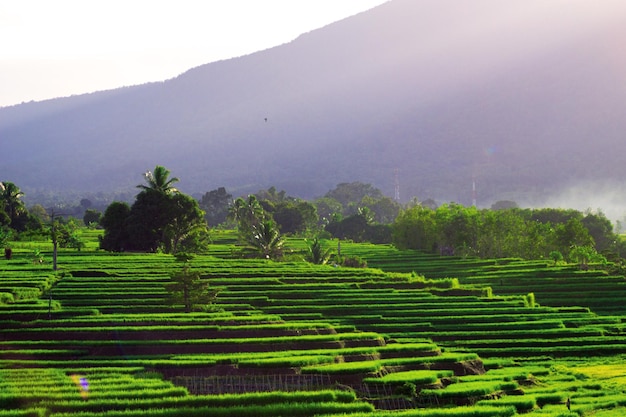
point(316, 253)
point(583, 255)
point(556, 256)
point(266, 240)
point(187, 288)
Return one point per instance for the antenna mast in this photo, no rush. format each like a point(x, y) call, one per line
point(474, 190)
point(396, 185)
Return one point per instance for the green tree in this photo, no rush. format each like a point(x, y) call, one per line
point(186, 228)
point(163, 218)
point(416, 228)
point(556, 256)
point(66, 234)
point(115, 238)
point(358, 227)
point(504, 205)
point(187, 288)
point(272, 195)
point(294, 216)
point(350, 195)
point(384, 210)
point(327, 209)
point(572, 233)
point(500, 234)
point(148, 217)
point(91, 217)
point(583, 255)
point(600, 229)
point(266, 240)
point(256, 227)
point(248, 214)
point(163, 221)
point(316, 253)
point(13, 206)
point(458, 228)
point(5, 235)
point(215, 205)
point(40, 213)
point(5, 220)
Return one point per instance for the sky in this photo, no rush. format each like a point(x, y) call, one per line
point(65, 47)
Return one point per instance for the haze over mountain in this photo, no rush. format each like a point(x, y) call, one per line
point(526, 97)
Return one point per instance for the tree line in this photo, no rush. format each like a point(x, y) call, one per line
point(18, 222)
point(452, 229)
point(164, 219)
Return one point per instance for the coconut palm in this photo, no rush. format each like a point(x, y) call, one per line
point(10, 201)
point(266, 240)
point(159, 181)
point(248, 213)
point(317, 254)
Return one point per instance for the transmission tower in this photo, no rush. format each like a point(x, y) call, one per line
point(396, 185)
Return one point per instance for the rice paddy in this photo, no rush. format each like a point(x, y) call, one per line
point(413, 335)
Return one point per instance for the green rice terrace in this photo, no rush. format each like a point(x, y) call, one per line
point(410, 335)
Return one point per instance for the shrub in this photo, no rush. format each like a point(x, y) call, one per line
point(352, 262)
point(6, 298)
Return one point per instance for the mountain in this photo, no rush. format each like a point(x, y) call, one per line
point(524, 98)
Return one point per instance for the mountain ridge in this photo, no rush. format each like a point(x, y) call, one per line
point(417, 87)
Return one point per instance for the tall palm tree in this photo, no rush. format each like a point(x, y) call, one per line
point(159, 181)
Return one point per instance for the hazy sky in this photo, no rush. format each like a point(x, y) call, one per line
point(64, 47)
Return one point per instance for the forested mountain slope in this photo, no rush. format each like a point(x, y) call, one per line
point(526, 97)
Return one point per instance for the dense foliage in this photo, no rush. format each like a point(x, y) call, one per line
point(161, 218)
point(256, 227)
point(13, 213)
point(526, 233)
point(215, 204)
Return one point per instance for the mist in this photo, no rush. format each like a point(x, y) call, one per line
point(608, 197)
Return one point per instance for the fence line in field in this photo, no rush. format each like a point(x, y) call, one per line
point(239, 384)
point(382, 395)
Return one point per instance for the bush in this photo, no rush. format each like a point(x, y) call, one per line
point(353, 262)
point(6, 298)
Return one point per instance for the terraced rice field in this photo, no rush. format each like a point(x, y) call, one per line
point(99, 339)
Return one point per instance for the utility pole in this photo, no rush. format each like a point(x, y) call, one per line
point(55, 244)
point(55, 240)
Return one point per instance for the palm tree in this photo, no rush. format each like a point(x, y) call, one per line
point(267, 240)
point(10, 196)
point(317, 254)
point(247, 213)
point(159, 181)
